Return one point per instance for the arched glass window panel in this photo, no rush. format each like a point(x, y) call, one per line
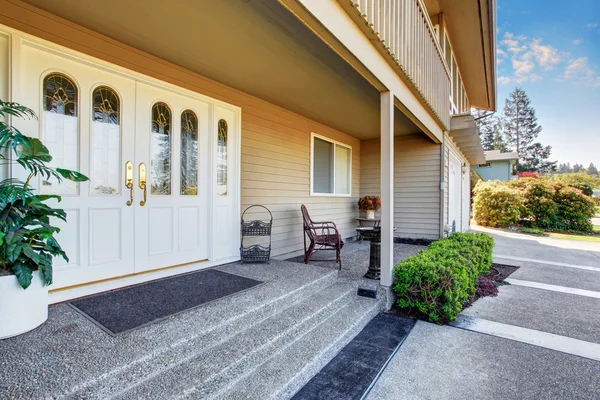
point(61, 129)
point(222, 157)
point(106, 142)
point(189, 153)
point(161, 150)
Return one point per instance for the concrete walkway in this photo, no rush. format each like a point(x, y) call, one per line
point(538, 339)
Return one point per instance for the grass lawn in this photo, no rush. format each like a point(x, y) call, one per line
point(592, 237)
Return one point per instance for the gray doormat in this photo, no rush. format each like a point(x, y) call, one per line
point(122, 310)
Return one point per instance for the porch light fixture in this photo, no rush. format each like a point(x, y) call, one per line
point(463, 168)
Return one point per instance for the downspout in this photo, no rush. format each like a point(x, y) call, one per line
point(442, 183)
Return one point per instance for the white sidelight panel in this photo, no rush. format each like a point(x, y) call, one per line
point(387, 188)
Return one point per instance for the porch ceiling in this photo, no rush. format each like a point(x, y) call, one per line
point(463, 131)
point(256, 46)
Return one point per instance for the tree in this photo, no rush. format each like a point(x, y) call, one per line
point(564, 168)
point(484, 122)
point(521, 129)
point(592, 170)
point(499, 142)
point(578, 167)
point(535, 158)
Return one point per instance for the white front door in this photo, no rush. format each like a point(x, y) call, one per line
point(111, 125)
point(86, 119)
point(454, 194)
point(172, 143)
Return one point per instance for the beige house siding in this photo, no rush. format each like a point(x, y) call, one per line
point(276, 173)
point(275, 150)
point(416, 183)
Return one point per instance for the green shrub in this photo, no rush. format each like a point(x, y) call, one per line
point(575, 209)
point(496, 204)
point(539, 208)
point(585, 188)
point(438, 281)
point(577, 178)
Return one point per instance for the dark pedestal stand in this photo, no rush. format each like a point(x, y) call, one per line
point(373, 235)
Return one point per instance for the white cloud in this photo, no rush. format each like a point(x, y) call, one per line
point(545, 55)
point(522, 67)
point(577, 42)
point(579, 70)
point(592, 25)
point(504, 80)
point(500, 52)
point(508, 35)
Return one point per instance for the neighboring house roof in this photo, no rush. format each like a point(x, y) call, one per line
point(497, 155)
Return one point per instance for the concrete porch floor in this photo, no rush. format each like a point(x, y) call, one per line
point(212, 346)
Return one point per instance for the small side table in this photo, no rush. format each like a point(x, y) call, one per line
point(362, 222)
point(374, 221)
point(373, 235)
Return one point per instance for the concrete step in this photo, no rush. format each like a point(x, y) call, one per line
point(202, 329)
point(292, 366)
point(214, 369)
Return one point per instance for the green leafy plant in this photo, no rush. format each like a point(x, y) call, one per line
point(539, 208)
point(496, 204)
point(438, 281)
point(27, 233)
point(575, 209)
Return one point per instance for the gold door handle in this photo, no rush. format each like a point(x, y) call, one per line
point(129, 181)
point(142, 184)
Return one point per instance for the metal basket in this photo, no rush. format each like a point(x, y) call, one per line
point(256, 253)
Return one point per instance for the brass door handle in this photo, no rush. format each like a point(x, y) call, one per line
point(142, 184)
point(129, 181)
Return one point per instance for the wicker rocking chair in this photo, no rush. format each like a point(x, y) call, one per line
point(321, 236)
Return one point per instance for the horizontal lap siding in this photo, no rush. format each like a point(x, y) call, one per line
point(276, 173)
point(275, 149)
point(416, 183)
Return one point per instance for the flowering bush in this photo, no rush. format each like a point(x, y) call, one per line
point(372, 203)
point(539, 208)
point(575, 209)
point(536, 203)
point(528, 174)
point(496, 204)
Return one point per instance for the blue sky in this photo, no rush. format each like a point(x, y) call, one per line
point(551, 49)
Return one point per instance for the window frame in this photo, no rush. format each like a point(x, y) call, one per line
point(312, 159)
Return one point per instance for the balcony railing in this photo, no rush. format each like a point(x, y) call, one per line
point(404, 29)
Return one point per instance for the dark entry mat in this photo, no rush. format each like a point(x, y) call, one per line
point(353, 371)
point(125, 309)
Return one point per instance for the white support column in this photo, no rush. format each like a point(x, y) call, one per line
point(387, 188)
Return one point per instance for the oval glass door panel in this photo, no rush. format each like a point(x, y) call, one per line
point(189, 153)
point(106, 142)
point(61, 129)
point(222, 158)
point(160, 170)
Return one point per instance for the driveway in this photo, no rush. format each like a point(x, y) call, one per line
point(538, 339)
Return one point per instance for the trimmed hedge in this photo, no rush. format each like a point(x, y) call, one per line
point(438, 281)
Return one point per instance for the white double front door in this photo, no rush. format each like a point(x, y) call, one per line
point(161, 162)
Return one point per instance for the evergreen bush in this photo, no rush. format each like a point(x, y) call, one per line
point(438, 281)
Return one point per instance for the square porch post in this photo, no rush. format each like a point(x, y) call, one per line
point(387, 188)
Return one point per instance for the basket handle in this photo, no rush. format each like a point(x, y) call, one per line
point(257, 205)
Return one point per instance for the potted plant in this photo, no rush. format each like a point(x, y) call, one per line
point(370, 204)
point(27, 233)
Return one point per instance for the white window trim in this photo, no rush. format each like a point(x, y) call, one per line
point(312, 155)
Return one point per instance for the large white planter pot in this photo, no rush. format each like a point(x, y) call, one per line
point(22, 310)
